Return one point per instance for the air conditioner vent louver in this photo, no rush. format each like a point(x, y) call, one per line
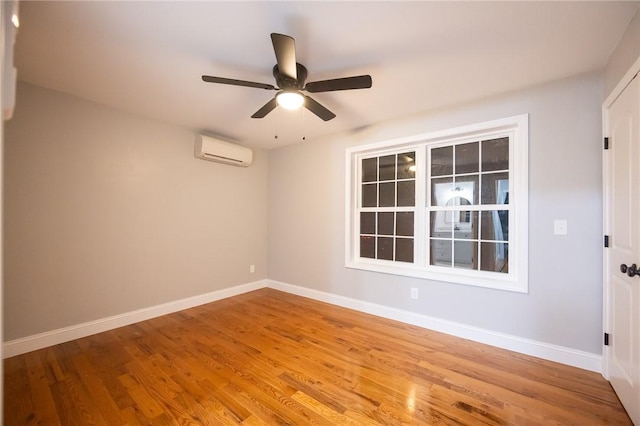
point(212, 149)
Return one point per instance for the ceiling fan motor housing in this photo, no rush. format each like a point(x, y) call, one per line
point(285, 82)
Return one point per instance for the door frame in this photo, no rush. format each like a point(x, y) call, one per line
point(606, 166)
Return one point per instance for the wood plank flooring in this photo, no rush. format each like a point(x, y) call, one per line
point(271, 358)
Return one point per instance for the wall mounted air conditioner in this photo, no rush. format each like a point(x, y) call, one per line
point(212, 149)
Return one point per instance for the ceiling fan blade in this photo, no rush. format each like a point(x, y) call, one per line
point(346, 83)
point(233, 82)
point(313, 106)
point(285, 49)
point(266, 109)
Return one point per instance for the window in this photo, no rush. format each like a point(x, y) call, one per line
point(387, 207)
point(448, 206)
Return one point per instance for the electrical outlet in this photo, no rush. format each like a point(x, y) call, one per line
point(414, 293)
point(252, 269)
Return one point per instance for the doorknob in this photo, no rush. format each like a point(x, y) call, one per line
point(630, 270)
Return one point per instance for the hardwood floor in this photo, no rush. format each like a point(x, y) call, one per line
point(271, 358)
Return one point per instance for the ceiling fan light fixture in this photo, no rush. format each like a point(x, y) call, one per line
point(290, 100)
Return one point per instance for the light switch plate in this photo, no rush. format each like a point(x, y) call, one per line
point(560, 227)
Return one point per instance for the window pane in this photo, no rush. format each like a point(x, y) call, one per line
point(442, 161)
point(452, 218)
point(370, 170)
point(467, 225)
point(467, 158)
point(407, 165)
point(388, 194)
point(404, 224)
point(385, 223)
point(440, 252)
point(467, 188)
point(367, 223)
point(495, 154)
point(464, 254)
point(439, 227)
point(385, 248)
point(494, 257)
point(495, 225)
point(458, 201)
point(370, 195)
point(368, 247)
point(404, 249)
point(495, 188)
point(387, 167)
point(441, 191)
point(407, 193)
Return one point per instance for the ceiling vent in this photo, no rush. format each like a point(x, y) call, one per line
point(212, 149)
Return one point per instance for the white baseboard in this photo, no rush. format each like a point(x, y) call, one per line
point(561, 354)
point(54, 337)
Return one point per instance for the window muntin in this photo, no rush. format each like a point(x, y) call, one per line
point(477, 236)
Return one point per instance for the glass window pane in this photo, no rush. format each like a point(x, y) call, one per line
point(370, 195)
point(495, 225)
point(495, 154)
point(370, 170)
point(439, 228)
point(494, 257)
point(467, 188)
point(385, 248)
point(404, 224)
point(407, 193)
point(385, 223)
point(467, 158)
point(440, 252)
point(464, 254)
point(458, 201)
point(387, 194)
point(368, 247)
point(442, 161)
point(404, 250)
point(495, 188)
point(441, 191)
point(466, 226)
point(407, 165)
point(452, 218)
point(367, 223)
point(387, 167)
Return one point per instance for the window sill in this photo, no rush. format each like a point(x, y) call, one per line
point(493, 280)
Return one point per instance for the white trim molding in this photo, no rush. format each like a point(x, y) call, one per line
point(421, 263)
point(560, 354)
point(66, 334)
point(622, 84)
point(606, 211)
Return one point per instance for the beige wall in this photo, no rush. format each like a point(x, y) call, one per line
point(625, 54)
point(106, 213)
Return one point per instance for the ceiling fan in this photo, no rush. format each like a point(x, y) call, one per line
point(290, 82)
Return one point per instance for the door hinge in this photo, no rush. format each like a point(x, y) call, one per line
point(606, 241)
point(606, 143)
point(606, 339)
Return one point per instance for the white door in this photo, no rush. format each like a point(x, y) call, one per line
point(622, 224)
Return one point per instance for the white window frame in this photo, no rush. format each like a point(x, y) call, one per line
point(517, 129)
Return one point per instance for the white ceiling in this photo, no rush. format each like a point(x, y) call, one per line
point(147, 58)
